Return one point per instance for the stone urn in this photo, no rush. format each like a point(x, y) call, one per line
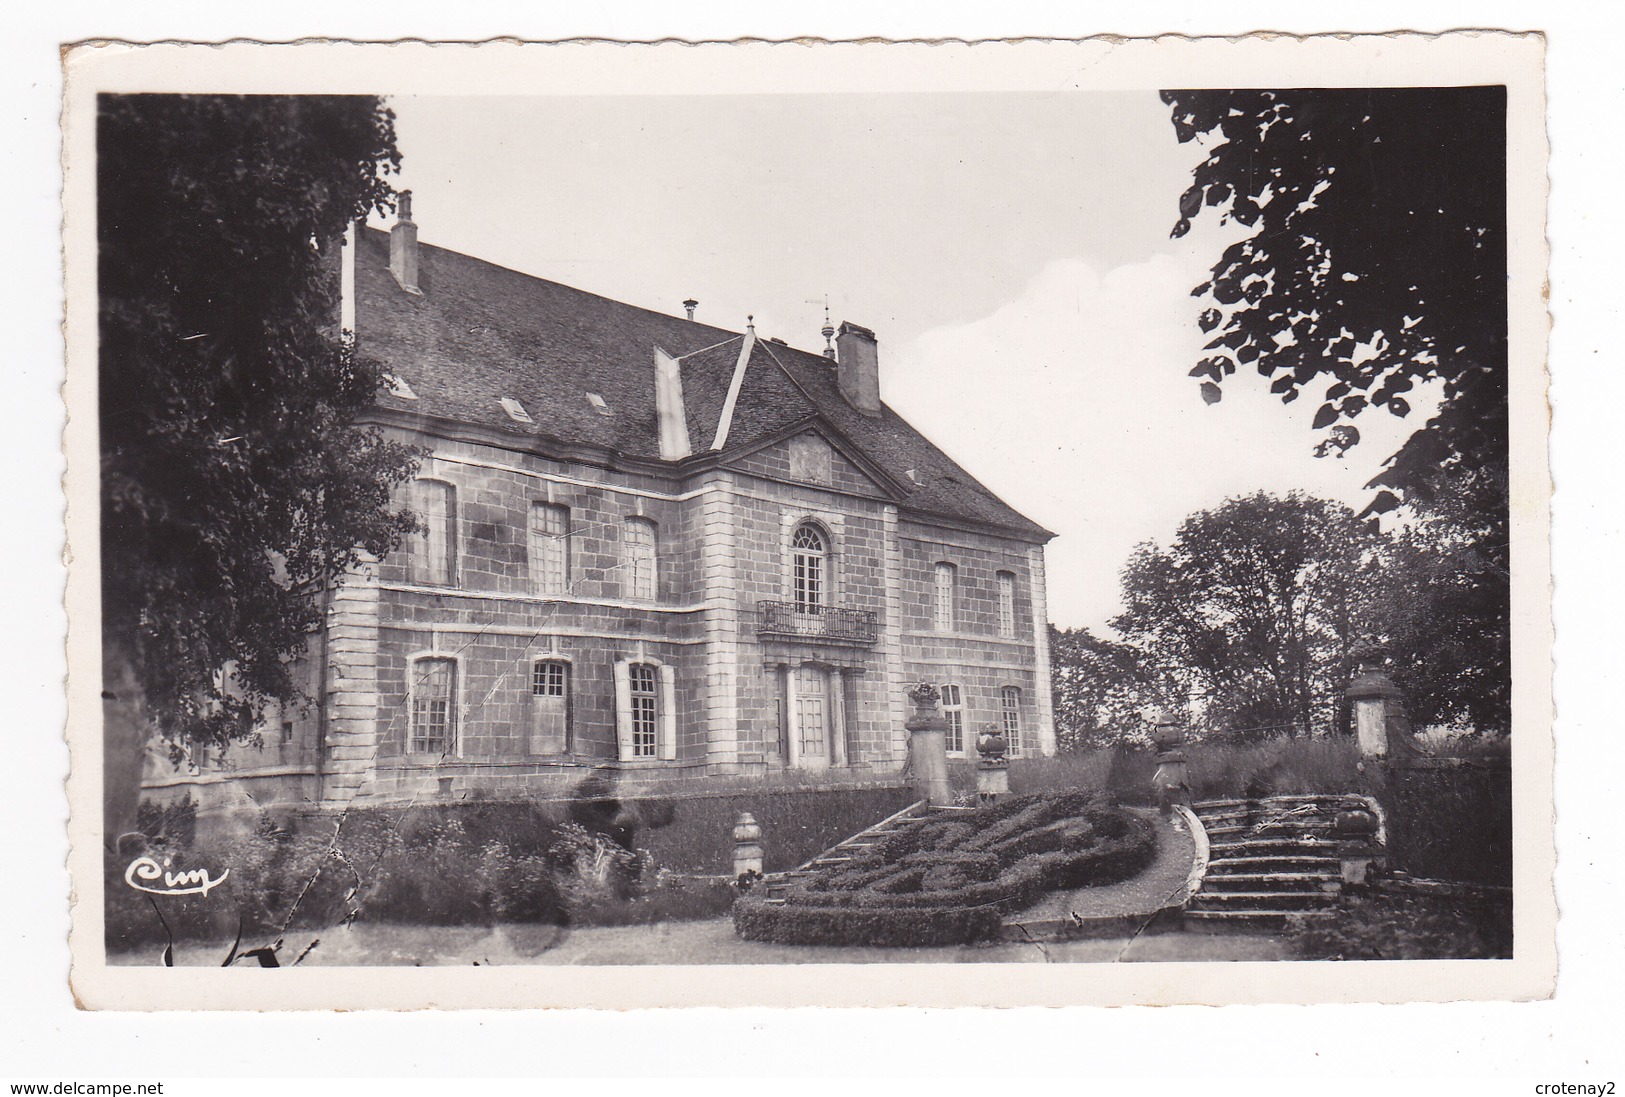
point(992, 764)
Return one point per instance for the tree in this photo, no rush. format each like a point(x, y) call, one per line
point(1102, 689)
point(1442, 608)
point(1377, 262)
point(1260, 601)
point(235, 483)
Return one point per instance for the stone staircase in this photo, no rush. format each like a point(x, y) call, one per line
point(776, 884)
point(1270, 859)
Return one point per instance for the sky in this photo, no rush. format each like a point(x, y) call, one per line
point(1010, 250)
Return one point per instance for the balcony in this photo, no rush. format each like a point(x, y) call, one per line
point(787, 620)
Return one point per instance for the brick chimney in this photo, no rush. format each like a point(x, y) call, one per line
point(403, 247)
point(858, 368)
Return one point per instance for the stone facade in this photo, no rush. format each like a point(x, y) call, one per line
point(793, 599)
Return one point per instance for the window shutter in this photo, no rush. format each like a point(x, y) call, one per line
point(667, 748)
point(623, 710)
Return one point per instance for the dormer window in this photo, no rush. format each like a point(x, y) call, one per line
point(516, 411)
point(398, 387)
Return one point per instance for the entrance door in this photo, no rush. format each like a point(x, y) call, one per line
point(812, 723)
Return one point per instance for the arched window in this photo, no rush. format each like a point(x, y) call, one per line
point(944, 578)
point(809, 555)
point(549, 706)
point(1007, 604)
point(1010, 704)
point(432, 685)
point(549, 548)
point(642, 573)
point(432, 551)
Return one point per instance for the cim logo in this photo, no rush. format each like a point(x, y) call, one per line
point(191, 882)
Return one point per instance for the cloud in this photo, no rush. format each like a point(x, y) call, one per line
point(1073, 402)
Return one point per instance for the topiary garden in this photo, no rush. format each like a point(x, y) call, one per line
point(950, 879)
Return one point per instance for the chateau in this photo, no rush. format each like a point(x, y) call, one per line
point(651, 543)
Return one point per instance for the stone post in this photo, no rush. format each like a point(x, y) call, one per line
point(1380, 723)
point(992, 766)
point(1355, 831)
point(927, 746)
point(747, 847)
point(1171, 782)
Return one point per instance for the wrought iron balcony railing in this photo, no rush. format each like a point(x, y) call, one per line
point(854, 626)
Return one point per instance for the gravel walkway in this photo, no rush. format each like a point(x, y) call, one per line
point(1137, 898)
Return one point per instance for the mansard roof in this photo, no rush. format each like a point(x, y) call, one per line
point(583, 368)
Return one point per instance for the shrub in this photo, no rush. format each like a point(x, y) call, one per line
point(950, 879)
point(440, 865)
point(1407, 927)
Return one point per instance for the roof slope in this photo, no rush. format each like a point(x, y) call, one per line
point(480, 332)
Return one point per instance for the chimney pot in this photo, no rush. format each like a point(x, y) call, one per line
point(689, 306)
point(403, 246)
point(858, 367)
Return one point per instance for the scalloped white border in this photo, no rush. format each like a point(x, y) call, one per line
point(508, 68)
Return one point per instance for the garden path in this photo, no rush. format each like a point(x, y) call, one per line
point(706, 942)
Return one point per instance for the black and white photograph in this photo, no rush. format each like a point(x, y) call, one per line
point(868, 505)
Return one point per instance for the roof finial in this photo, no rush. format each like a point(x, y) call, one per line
point(750, 322)
point(828, 333)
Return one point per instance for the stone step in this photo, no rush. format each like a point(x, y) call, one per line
point(1285, 862)
point(1241, 919)
point(1264, 900)
point(1294, 825)
point(1258, 844)
point(1224, 881)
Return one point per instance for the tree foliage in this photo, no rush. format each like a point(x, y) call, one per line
point(1259, 601)
point(1103, 689)
point(235, 483)
point(1377, 260)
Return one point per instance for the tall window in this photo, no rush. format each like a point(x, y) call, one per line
point(549, 548)
point(809, 554)
point(945, 578)
point(1010, 703)
point(434, 711)
point(953, 710)
point(432, 552)
point(549, 706)
point(638, 539)
point(645, 691)
point(1007, 604)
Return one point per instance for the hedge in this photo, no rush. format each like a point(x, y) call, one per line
point(950, 880)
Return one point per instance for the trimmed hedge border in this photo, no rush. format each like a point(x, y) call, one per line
point(997, 859)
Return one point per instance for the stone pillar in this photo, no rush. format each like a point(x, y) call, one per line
point(1355, 831)
point(1380, 722)
point(1171, 782)
point(792, 718)
point(748, 856)
point(352, 696)
point(992, 764)
point(724, 625)
point(837, 717)
point(928, 749)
